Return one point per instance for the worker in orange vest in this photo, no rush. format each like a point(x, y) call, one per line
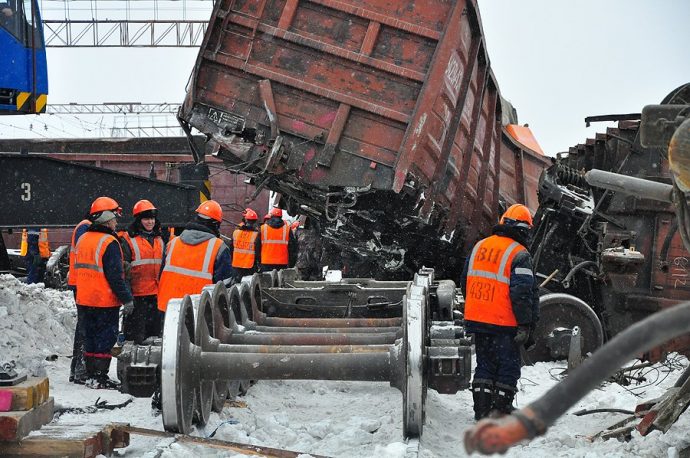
point(142, 250)
point(278, 243)
point(198, 257)
point(101, 290)
point(35, 249)
point(501, 309)
point(77, 373)
point(246, 246)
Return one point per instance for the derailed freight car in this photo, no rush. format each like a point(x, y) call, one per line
point(381, 119)
point(616, 257)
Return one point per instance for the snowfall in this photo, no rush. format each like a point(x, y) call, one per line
point(339, 419)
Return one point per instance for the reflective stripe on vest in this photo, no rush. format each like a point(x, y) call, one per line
point(93, 289)
point(145, 264)
point(488, 281)
point(180, 275)
point(71, 273)
point(244, 248)
point(274, 245)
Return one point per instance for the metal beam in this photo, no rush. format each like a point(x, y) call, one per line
point(153, 33)
point(112, 108)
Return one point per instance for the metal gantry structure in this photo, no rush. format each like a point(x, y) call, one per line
point(139, 23)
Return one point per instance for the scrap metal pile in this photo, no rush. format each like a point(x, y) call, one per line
point(273, 326)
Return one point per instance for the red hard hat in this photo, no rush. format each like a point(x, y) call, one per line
point(211, 209)
point(294, 225)
point(266, 216)
point(275, 211)
point(102, 204)
point(517, 212)
point(142, 206)
point(250, 214)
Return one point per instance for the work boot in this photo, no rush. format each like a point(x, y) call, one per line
point(482, 394)
point(100, 379)
point(503, 399)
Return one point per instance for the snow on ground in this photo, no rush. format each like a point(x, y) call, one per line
point(340, 419)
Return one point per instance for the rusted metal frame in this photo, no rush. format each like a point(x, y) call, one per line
point(468, 149)
point(256, 20)
point(451, 130)
point(495, 139)
point(424, 106)
point(308, 87)
point(225, 16)
point(378, 17)
point(370, 38)
point(266, 93)
point(288, 14)
point(114, 157)
point(336, 131)
point(361, 330)
point(520, 176)
point(359, 58)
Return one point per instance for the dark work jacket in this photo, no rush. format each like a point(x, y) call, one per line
point(524, 290)
point(276, 223)
point(113, 265)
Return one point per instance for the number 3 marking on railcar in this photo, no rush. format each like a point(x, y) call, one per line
point(26, 187)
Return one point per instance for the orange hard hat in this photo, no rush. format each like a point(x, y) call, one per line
point(275, 211)
point(517, 212)
point(103, 203)
point(142, 206)
point(211, 209)
point(250, 215)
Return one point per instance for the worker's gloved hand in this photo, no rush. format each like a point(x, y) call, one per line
point(128, 308)
point(38, 260)
point(530, 342)
point(522, 335)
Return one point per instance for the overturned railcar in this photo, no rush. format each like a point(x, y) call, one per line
point(381, 119)
point(612, 257)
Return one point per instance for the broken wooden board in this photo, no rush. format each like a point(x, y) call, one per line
point(82, 441)
point(28, 394)
point(18, 424)
point(244, 449)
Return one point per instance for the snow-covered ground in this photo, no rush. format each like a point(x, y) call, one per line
point(340, 419)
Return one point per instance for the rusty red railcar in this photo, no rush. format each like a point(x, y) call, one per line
point(381, 119)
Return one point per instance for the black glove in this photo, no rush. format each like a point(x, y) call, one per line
point(127, 309)
point(531, 342)
point(38, 260)
point(522, 335)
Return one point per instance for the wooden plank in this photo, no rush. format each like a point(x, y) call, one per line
point(245, 449)
point(29, 394)
point(16, 425)
point(67, 441)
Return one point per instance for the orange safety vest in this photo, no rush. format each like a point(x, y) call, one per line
point(274, 244)
point(188, 268)
point(43, 245)
point(145, 265)
point(93, 289)
point(244, 248)
point(72, 273)
point(487, 298)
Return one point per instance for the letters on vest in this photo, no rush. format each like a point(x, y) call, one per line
point(244, 248)
point(145, 265)
point(488, 281)
point(188, 268)
point(93, 289)
point(274, 245)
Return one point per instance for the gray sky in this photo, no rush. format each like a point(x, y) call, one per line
point(557, 61)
